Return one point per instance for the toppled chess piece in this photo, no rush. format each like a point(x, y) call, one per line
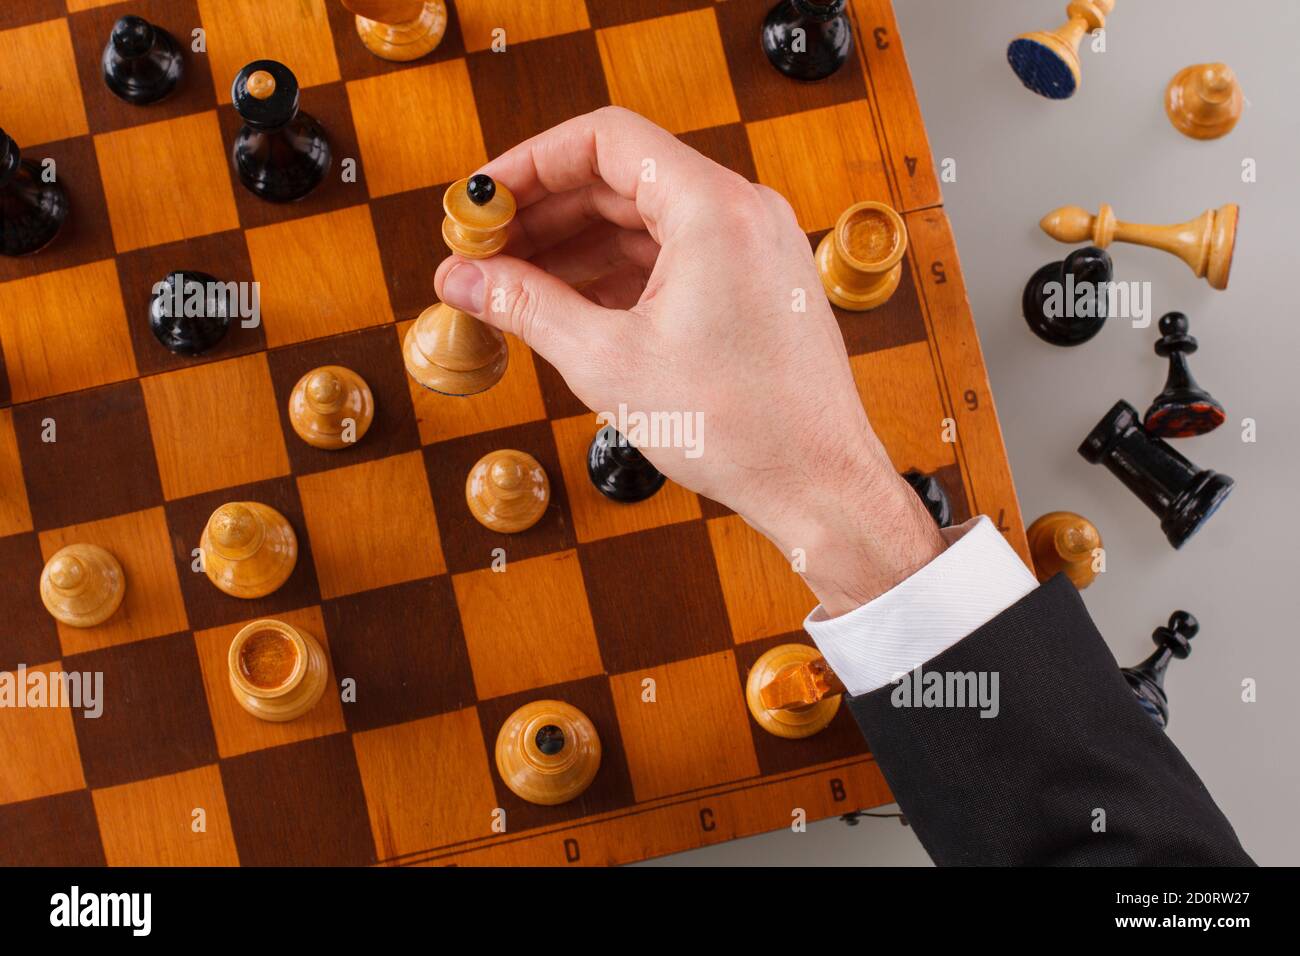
point(277, 672)
point(548, 752)
point(1066, 302)
point(400, 30)
point(280, 153)
point(1183, 408)
point(792, 692)
point(1062, 541)
point(619, 471)
point(861, 259)
point(507, 491)
point(1181, 495)
point(82, 585)
point(1148, 678)
point(331, 407)
point(189, 312)
point(142, 63)
point(807, 39)
point(1204, 101)
point(32, 211)
point(1047, 62)
point(249, 549)
point(932, 495)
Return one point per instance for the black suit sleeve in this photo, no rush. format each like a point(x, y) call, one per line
point(1068, 740)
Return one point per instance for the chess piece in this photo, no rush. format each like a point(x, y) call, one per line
point(400, 30)
point(478, 210)
point(1148, 678)
point(280, 154)
point(1184, 408)
point(1204, 101)
point(932, 495)
point(1181, 495)
point(32, 211)
point(507, 491)
point(548, 752)
point(142, 63)
point(861, 259)
point(792, 692)
point(1066, 302)
point(82, 585)
point(807, 39)
point(1048, 62)
point(1062, 541)
point(619, 471)
point(189, 312)
point(277, 671)
point(331, 407)
point(249, 549)
point(1204, 243)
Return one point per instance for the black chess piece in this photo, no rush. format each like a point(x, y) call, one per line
point(932, 496)
point(1182, 495)
point(618, 470)
point(32, 211)
point(1148, 678)
point(481, 189)
point(1184, 408)
point(808, 39)
point(142, 63)
point(1075, 309)
point(280, 154)
point(189, 312)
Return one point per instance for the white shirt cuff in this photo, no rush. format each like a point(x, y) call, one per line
point(976, 578)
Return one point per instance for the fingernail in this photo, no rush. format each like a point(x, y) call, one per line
point(463, 288)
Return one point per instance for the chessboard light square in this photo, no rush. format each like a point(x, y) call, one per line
point(529, 625)
point(695, 733)
point(295, 32)
point(39, 744)
point(152, 604)
point(514, 400)
point(594, 515)
point(215, 426)
point(371, 524)
point(63, 331)
point(764, 595)
point(237, 731)
point(15, 513)
point(166, 181)
point(519, 22)
point(450, 798)
point(399, 156)
point(319, 276)
point(151, 822)
point(842, 138)
point(909, 420)
point(38, 75)
point(671, 70)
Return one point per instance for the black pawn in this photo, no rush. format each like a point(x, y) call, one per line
point(280, 154)
point(32, 211)
point(1148, 678)
point(481, 189)
point(1184, 408)
point(1182, 495)
point(142, 63)
point(618, 470)
point(932, 495)
point(189, 312)
point(1077, 309)
point(808, 39)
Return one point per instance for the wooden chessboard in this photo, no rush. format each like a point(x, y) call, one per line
point(394, 575)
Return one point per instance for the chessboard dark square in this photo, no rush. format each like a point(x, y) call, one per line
point(403, 646)
point(104, 110)
point(104, 431)
point(301, 803)
point(727, 144)
point(371, 355)
point(558, 397)
point(466, 544)
point(51, 831)
point(356, 62)
point(612, 788)
point(29, 11)
point(155, 716)
point(408, 230)
point(138, 273)
point(898, 322)
point(762, 91)
point(575, 84)
point(839, 740)
point(612, 13)
point(28, 634)
point(208, 607)
point(949, 477)
point(632, 582)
